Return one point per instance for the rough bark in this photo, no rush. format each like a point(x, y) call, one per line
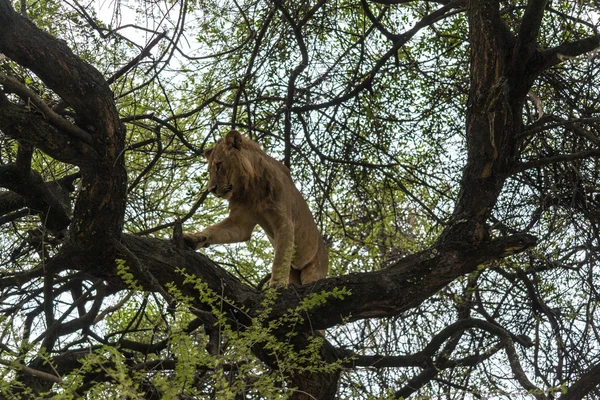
point(51, 199)
point(381, 293)
point(501, 74)
point(100, 207)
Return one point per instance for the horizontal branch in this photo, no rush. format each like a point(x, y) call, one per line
point(50, 198)
point(383, 293)
point(556, 55)
point(555, 159)
point(378, 361)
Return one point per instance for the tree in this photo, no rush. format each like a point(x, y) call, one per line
point(449, 151)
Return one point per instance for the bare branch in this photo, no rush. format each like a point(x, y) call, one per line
point(58, 121)
point(556, 159)
point(144, 53)
point(31, 371)
point(551, 57)
point(366, 80)
point(582, 387)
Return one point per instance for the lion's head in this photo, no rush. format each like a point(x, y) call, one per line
point(230, 170)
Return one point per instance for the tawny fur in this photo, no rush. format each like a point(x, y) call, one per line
point(260, 191)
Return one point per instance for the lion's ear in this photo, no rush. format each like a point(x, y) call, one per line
point(234, 139)
point(207, 152)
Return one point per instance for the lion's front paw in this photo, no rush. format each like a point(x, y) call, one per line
point(195, 240)
point(276, 284)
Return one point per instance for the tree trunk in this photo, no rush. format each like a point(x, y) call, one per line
point(494, 121)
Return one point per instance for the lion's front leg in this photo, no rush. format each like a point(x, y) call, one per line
point(283, 244)
point(230, 230)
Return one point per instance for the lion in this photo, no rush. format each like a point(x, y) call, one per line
point(260, 191)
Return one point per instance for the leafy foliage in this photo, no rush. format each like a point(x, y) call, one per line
point(374, 106)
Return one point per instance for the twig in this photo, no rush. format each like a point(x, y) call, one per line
point(144, 53)
point(34, 372)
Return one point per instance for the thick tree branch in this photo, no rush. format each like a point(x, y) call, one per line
point(588, 382)
point(493, 122)
point(100, 205)
point(28, 95)
point(24, 156)
point(382, 293)
point(54, 62)
point(27, 127)
point(10, 202)
point(528, 32)
point(551, 57)
point(49, 198)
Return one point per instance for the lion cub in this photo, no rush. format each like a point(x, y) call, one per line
point(260, 191)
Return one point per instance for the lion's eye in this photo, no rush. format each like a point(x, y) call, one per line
point(218, 165)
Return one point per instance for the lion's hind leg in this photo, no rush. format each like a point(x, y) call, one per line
point(316, 268)
point(310, 273)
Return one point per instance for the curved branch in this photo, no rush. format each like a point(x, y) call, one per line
point(555, 159)
point(556, 55)
point(383, 293)
point(377, 24)
point(54, 62)
point(507, 340)
point(30, 97)
point(588, 382)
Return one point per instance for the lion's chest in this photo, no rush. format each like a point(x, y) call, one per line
point(269, 225)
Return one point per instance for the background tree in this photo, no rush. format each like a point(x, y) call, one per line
point(448, 149)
